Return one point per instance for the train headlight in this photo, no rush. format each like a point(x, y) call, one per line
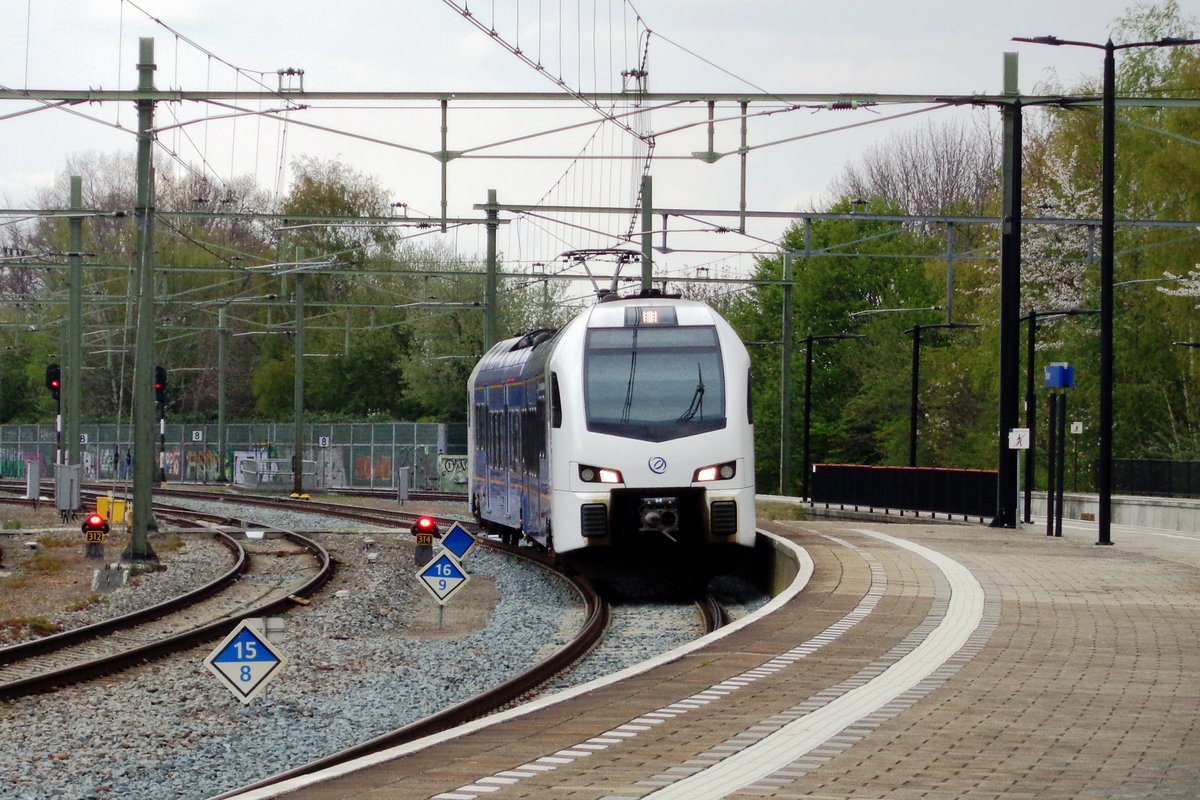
point(715, 472)
point(599, 475)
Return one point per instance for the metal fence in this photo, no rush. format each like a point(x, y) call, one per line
point(349, 455)
point(968, 492)
point(1149, 476)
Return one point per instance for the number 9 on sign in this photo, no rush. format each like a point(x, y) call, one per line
point(442, 577)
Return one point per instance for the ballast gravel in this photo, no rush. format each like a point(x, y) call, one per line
point(365, 658)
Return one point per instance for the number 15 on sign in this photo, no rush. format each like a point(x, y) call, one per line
point(245, 661)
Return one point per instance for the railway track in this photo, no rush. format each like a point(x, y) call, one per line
point(509, 692)
point(264, 578)
point(519, 687)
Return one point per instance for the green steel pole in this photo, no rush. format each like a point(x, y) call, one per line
point(785, 382)
point(1108, 164)
point(74, 323)
point(915, 398)
point(298, 385)
point(444, 157)
point(647, 227)
point(743, 150)
point(1010, 302)
point(222, 355)
point(489, 299)
point(143, 373)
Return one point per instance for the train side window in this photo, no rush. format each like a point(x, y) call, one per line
point(514, 448)
point(749, 398)
point(542, 450)
point(494, 440)
point(555, 402)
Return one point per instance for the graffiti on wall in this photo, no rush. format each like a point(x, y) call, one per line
point(331, 468)
point(452, 473)
point(368, 469)
point(201, 465)
point(240, 457)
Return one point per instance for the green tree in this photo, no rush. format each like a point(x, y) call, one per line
point(852, 265)
point(1157, 165)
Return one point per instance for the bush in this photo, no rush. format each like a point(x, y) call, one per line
point(38, 625)
point(40, 562)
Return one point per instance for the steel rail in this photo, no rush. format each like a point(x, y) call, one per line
point(712, 612)
point(171, 644)
point(60, 641)
point(512, 690)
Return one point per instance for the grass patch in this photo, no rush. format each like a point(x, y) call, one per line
point(16, 626)
point(145, 568)
point(12, 525)
point(168, 544)
point(43, 563)
point(59, 540)
point(781, 511)
point(86, 602)
point(14, 581)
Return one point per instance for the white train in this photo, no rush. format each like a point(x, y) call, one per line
point(623, 440)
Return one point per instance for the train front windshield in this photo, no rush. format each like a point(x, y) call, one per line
point(654, 384)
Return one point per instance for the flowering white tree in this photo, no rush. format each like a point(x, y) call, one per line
point(1185, 285)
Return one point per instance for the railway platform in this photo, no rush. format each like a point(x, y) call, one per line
point(909, 661)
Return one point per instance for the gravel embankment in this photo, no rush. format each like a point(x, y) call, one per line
point(365, 658)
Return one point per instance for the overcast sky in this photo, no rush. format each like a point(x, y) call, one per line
point(919, 47)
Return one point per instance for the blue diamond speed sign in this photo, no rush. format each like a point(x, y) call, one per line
point(443, 577)
point(245, 661)
point(458, 541)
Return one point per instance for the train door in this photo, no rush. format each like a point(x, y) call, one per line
point(496, 491)
point(515, 474)
point(536, 466)
point(478, 451)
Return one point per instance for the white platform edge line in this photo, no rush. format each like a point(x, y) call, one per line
point(964, 613)
point(803, 576)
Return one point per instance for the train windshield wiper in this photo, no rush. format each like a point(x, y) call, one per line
point(628, 407)
point(697, 404)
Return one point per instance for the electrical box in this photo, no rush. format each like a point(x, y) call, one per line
point(1060, 375)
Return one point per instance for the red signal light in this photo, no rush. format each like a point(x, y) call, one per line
point(95, 521)
point(426, 523)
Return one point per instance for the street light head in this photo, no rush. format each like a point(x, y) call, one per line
point(1053, 40)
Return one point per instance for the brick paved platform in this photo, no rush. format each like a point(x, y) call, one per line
point(919, 661)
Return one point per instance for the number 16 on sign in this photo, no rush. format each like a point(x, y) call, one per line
point(443, 577)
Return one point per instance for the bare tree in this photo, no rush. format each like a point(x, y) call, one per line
point(930, 170)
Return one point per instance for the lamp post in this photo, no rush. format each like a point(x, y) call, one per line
point(808, 361)
point(1107, 183)
point(1031, 397)
point(915, 330)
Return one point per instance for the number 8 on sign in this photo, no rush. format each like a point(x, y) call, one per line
point(245, 661)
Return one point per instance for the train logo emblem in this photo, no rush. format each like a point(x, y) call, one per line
point(657, 464)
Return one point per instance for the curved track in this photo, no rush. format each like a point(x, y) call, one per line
point(203, 614)
point(512, 690)
point(598, 615)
